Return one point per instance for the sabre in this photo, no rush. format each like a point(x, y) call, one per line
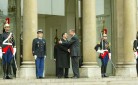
point(15, 64)
point(113, 64)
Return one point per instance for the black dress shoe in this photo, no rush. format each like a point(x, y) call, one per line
point(41, 77)
point(66, 77)
point(8, 77)
point(59, 77)
point(105, 76)
point(75, 77)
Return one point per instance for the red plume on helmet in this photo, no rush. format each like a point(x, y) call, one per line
point(104, 31)
point(6, 24)
point(7, 20)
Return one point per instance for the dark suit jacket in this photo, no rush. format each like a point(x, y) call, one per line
point(62, 55)
point(135, 45)
point(74, 45)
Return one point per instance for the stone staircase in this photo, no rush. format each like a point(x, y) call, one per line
point(81, 81)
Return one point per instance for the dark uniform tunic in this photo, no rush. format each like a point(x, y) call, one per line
point(39, 49)
point(104, 56)
point(62, 57)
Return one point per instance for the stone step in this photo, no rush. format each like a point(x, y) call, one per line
point(80, 81)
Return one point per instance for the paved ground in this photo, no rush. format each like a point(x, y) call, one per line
point(80, 81)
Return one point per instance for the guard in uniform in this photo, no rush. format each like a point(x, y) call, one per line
point(104, 50)
point(135, 49)
point(7, 49)
point(39, 53)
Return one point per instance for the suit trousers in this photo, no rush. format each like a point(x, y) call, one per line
point(75, 66)
point(137, 66)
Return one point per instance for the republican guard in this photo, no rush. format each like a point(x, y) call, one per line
point(7, 49)
point(104, 50)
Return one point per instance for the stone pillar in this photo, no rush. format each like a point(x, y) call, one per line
point(90, 67)
point(29, 33)
point(18, 31)
point(127, 67)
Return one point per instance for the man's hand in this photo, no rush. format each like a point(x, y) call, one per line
point(45, 57)
point(35, 57)
point(1, 53)
point(60, 42)
point(110, 56)
point(14, 51)
point(69, 50)
point(135, 55)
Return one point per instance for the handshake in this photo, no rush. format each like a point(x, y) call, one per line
point(60, 42)
point(69, 50)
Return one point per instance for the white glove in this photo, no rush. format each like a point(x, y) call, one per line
point(45, 56)
point(14, 51)
point(135, 55)
point(110, 56)
point(100, 51)
point(35, 57)
point(1, 53)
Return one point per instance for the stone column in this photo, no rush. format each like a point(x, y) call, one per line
point(90, 67)
point(29, 33)
point(127, 67)
point(18, 31)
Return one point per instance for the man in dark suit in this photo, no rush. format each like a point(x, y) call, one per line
point(74, 46)
point(39, 53)
point(135, 49)
point(62, 57)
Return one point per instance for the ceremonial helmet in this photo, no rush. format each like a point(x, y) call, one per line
point(7, 22)
point(104, 32)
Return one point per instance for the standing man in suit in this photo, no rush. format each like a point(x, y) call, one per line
point(135, 49)
point(62, 57)
point(74, 46)
point(39, 53)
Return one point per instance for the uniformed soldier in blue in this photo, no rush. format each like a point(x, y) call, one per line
point(104, 50)
point(39, 53)
point(7, 49)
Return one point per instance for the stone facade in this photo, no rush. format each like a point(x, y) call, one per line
point(122, 33)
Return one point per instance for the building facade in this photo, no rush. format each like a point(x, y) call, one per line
point(86, 16)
